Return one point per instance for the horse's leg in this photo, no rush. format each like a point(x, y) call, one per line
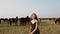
point(23, 23)
point(0, 21)
point(10, 23)
point(59, 21)
point(16, 23)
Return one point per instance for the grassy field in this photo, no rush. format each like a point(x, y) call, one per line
point(45, 28)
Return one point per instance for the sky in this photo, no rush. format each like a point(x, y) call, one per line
point(23, 8)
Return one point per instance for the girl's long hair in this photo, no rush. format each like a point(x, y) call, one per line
point(35, 16)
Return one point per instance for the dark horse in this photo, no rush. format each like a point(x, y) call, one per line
point(24, 21)
point(13, 20)
point(2, 19)
point(57, 21)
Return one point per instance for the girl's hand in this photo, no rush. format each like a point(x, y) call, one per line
point(30, 33)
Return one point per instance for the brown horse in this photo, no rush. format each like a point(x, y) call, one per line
point(57, 21)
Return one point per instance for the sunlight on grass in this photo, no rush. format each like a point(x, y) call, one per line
point(45, 28)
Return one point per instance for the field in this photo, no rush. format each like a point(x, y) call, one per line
point(45, 28)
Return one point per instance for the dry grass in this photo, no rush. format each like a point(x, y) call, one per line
point(45, 28)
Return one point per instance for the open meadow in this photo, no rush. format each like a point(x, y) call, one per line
point(45, 28)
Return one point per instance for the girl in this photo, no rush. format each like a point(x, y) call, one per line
point(34, 25)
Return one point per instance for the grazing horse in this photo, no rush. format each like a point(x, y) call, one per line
point(24, 21)
point(57, 21)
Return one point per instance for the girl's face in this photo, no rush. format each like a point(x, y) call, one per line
point(33, 16)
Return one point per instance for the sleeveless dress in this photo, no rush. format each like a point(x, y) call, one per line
point(33, 27)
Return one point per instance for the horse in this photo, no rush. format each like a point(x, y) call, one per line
point(57, 21)
point(2, 19)
point(13, 20)
point(24, 21)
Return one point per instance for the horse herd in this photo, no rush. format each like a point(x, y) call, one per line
point(23, 21)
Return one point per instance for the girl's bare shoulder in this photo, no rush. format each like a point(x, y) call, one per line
point(36, 20)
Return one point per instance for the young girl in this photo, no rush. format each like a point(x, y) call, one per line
point(34, 25)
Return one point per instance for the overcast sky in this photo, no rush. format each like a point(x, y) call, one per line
point(23, 8)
